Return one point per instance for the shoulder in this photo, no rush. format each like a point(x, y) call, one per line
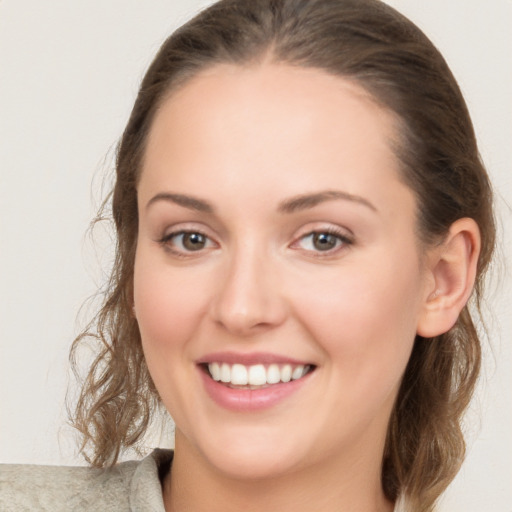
point(133, 485)
point(27, 487)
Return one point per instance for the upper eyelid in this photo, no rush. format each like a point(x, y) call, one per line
point(171, 234)
point(332, 231)
point(344, 238)
point(182, 231)
point(176, 251)
point(320, 227)
point(307, 229)
point(186, 227)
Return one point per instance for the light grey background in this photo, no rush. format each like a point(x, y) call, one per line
point(69, 73)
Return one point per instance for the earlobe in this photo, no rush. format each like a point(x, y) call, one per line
point(452, 267)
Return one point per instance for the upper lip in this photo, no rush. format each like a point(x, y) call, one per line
point(249, 359)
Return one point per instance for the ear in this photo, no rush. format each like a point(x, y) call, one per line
point(451, 276)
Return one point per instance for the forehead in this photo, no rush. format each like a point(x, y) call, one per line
point(294, 128)
point(272, 94)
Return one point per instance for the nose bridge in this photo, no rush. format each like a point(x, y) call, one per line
point(248, 296)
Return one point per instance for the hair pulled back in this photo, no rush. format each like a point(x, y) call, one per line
point(369, 43)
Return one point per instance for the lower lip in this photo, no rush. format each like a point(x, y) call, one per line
point(247, 400)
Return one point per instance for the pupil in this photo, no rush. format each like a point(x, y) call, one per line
point(324, 241)
point(193, 241)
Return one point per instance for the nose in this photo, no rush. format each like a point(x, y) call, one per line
point(249, 297)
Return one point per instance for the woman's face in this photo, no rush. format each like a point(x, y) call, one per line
point(276, 242)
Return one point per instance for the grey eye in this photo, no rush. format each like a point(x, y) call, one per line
point(321, 241)
point(325, 241)
point(192, 241)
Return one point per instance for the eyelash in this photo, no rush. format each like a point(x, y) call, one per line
point(343, 241)
point(166, 240)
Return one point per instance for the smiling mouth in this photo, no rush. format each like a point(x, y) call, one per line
point(258, 376)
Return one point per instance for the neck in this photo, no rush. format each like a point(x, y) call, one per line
point(193, 484)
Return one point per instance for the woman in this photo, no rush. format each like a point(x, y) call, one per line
point(302, 217)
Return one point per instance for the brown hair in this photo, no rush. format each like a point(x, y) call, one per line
point(371, 44)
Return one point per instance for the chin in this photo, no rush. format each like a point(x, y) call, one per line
point(252, 456)
point(253, 465)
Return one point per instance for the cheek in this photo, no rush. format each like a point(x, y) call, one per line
point(168, 306)
point(365, 321)
point(167, 303)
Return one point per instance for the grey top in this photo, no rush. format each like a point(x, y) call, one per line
point(134, 486)
point(129, 486)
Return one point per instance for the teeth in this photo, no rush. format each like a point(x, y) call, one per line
point(273, 374)
point(256, 375)
point(215, 371)
point(297, 372)
point(286, 373)
point(225, 373)
point(239, 375)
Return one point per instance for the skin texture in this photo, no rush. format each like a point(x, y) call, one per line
point(246, 140)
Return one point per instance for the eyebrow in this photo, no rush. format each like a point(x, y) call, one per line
point(294, 204)
point(305, 201)
point(192, 203)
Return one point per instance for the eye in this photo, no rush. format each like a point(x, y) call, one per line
point(323, 241)
point(186, 241)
